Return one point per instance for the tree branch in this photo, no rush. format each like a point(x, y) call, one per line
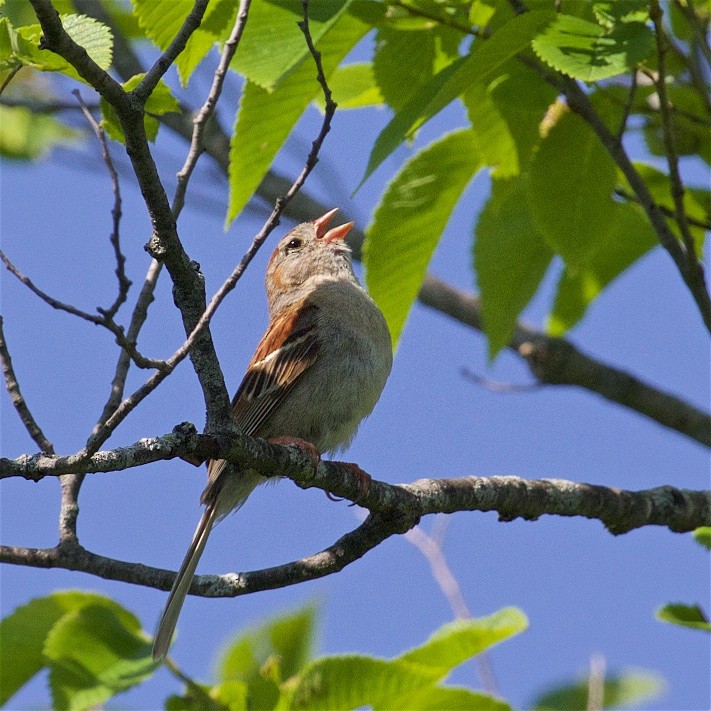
point(394, 509)
point(18, 401)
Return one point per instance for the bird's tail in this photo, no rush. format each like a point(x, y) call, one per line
point(182, 583)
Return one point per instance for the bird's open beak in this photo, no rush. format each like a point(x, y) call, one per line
point(332, 235)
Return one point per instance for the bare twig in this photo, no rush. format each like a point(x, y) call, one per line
point(448, 584)
point(208, 108)
point(9, 78)
point(596, 683)
point(698, 27)
point(124, 283)
point(140, 313)
point(496, 386)
point(677, 186)
point(164, 62)
point(18, 401)
point(627, 108)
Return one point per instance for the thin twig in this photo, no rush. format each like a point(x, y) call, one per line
point(449, 585)
point(140, 313)
point(9, 78)
point(628, 108)
point(677, 186)
point(703, 224)
point(124, 283)
point(208, 108)
point(140, 360)
point(165, 61)
point(697, 26)
point(596, 683)
point(18, 401)
point(496, 386)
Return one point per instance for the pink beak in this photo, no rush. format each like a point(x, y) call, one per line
point(333, 235)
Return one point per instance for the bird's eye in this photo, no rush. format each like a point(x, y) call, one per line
point(293, 244)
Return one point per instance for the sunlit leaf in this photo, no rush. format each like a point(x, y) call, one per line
point(570, 185)
point(585, 50)
point(409, 222)
point(684, 615)
point(26, 135)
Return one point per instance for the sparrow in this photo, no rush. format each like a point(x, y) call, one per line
point(317, 372)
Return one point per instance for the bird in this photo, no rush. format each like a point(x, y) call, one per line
point(317, 372)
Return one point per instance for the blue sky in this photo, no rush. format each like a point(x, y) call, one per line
point(583, 590)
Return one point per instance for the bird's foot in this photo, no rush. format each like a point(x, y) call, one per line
point(302, 445)
point(364, 480)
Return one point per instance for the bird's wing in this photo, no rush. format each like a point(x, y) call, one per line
point(288, 348)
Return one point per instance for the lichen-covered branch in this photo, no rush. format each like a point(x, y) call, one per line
point(394, 509)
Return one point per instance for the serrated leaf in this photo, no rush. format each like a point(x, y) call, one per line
point(587, 51)
point(437, 698)
point(570, 188)
point(458, 641)
point(27, 135)
point(481, 65)
point(702, 536)
point(8, 60)
point(632, 237)
point(273, 44)
point(510, 258)
point(265, 120)
point(162, 19)
point(629, 688)
point(160, 102)
point(348, 682)
point(409, 221)
point(95, 37)
point(25, 630)
point(353, 87)
point(684, 615)
point(506, 115)
point(94, 654)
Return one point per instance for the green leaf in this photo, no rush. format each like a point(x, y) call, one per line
point(273, 44)
point(160, 102)
point(409, 222)
point(423, 52)
point(162, 19)
point(684, 615)
point(8, 39)
point(349, 682)
point(94, 654)
point(353, 87)
point(23, 634)
point(630, 688)
point(632, 236)
point(570, 188)
point(229, 695)
point(506, 115)
point(584, 50)
point(691, 129)
point(265, 120)
point(95, 37)
point(613, 12)
point(461, 640)
point(511, 258)
point(481, 65)
point(702, 536)
point(697, 201)
point(437, 698)
point(26, 135)
point(281, 645)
